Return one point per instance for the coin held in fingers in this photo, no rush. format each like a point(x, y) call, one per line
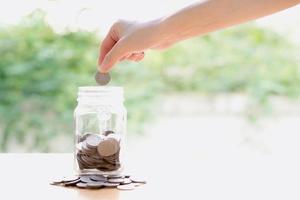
point(102, 78)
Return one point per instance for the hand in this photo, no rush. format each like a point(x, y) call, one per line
point(128, 41)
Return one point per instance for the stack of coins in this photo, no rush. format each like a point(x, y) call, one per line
point(101, 152)
point(121, 182)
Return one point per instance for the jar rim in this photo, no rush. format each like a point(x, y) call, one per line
point(88, 93)
point(100, 89)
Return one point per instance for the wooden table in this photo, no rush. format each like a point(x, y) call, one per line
point(27, 176)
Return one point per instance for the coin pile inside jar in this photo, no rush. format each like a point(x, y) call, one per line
point(101, 152)
point(121, 182)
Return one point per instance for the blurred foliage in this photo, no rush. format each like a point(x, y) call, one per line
point(245, 59)
point(40, 71)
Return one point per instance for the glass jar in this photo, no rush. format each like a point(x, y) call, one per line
point(100, 127)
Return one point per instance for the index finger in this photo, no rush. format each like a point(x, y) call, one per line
point(106, 46)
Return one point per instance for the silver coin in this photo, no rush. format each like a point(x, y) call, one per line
point(71, 183)
point(92, 141)
point(112, 176)
point(98, 178)
point(81, 185)
point(137, 184)
point(106, 184)
point(70, 179)
point(88, 149)
point(85, 179)
point(126, 187)
point(83, 137)
point(56, 182)
point(136, 179)
point(102, 78)
point(126, 181)
point(116, 180)
point(107, 132)
point(95, 185)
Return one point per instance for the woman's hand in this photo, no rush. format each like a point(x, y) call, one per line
point(128, 40)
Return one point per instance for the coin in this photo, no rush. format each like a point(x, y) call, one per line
point(83, 137)
point(87, 161)
point(87, 149)
point(56, 182)
point(95, 185)
point(81, 185)
point(111, 160)
point(126, 181)
point(79, 146)
point(136, 179)
point(115, 180)
point(126, 187)
point(71, 183)
point(85, 179)
point(115, 176)
point(137, 184)
point(102, 78)
point(114, 136)
point(111, 184)
point(80, 162)
point(92, 141)
point(98, 178)
point(70, 178)
point(108, 147)
point(106, 133)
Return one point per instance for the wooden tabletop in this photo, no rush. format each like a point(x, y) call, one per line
point(27, 176)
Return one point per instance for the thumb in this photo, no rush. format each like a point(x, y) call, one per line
point(111, 58)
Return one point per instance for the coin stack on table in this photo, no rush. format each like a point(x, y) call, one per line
point(101, 152)
point(121, 182)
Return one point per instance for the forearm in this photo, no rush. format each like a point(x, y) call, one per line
point(211, 15)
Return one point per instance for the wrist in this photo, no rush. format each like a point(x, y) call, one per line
point(170, 31)
point(160, 31)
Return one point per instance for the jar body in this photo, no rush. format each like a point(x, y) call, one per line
point(100, 128)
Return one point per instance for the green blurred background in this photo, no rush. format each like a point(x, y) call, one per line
point(40, 70)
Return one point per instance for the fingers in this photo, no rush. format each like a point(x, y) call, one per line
point(119, 44)
point(125, 57)
point(116, 48)
point(112, 57)
point(107, 44)
point(136, 56)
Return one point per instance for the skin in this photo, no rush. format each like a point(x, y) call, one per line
point(127, 40)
